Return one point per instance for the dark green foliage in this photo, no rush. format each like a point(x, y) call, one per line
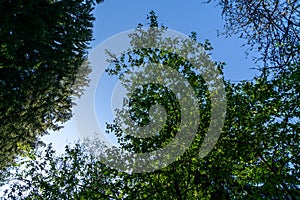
point(43, 44)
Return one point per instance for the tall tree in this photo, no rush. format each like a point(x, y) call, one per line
point(43, 44)
point(260, 140)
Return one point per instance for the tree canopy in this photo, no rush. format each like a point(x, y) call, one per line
point(43, 44)
point(256, 156)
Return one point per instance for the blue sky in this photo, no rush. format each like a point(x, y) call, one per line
point(113, 17)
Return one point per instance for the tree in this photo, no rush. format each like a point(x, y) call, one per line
point(271, 28)
point(43, 45)
point(259, 142)
point(256, 156)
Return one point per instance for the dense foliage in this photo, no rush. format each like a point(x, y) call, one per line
point(256, 156)
point(43, 44)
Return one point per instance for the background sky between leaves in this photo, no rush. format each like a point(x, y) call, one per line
point(115, 16)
